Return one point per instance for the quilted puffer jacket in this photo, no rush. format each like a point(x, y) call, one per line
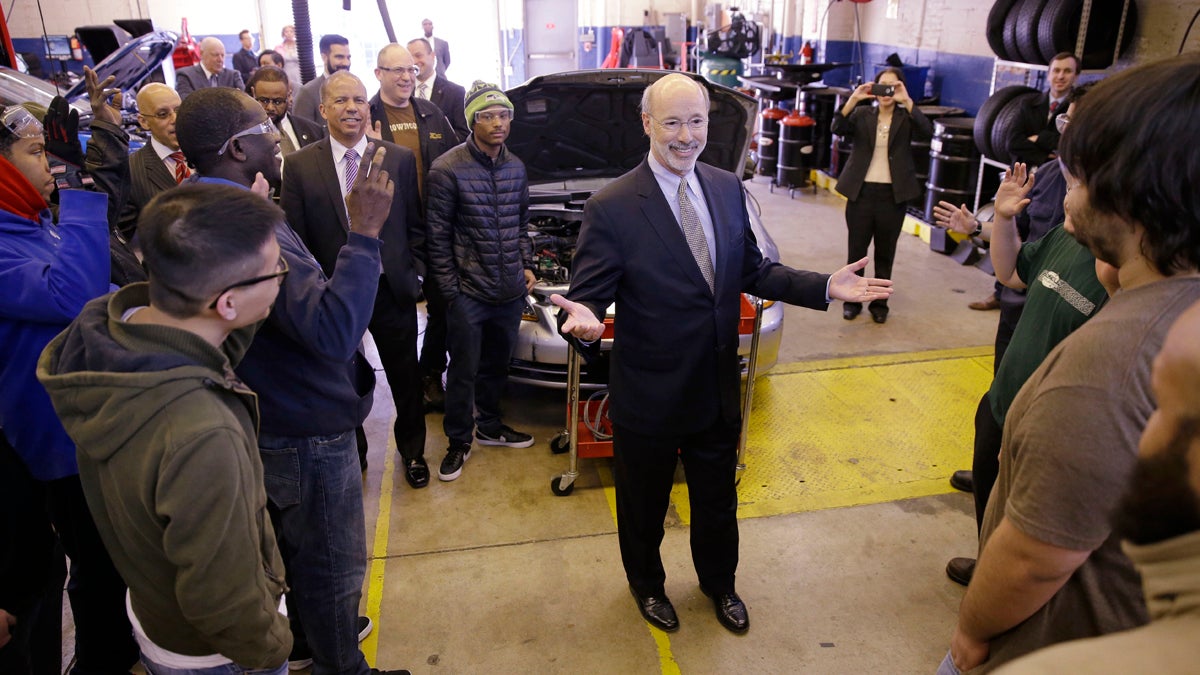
point(477, 210)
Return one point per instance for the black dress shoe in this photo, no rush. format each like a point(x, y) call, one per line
point(878, 313)
point(960, 570)
point(731, 611)
point(416, 472)
point(851, 310)
point(657, 610)
point(963, 480)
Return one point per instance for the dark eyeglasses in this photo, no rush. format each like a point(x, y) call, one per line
point(280, 274)
point(163, 115)
point(276, 102)
point(262, 128)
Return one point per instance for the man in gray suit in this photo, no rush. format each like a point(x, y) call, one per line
point(210, 73)
point(335, 54)
point(441, 48)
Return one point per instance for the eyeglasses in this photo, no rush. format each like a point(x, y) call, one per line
point(262, 128)
point(20, 122)
point(489, 116)
point(273, 102)
point(280, 274)
point(400, 70)
point(1061, 121)
point(672, 126)
point(163, 115)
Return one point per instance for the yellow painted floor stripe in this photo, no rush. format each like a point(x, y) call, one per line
point(379, 554)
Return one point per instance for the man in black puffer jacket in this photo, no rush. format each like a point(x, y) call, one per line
point(477, 209)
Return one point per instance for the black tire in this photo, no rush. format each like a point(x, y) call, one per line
point(560, 491)
point(1026, 31)
point(995, 27)
point(987, 114)
point(1058, 29)
point(560, 443)
point(1010, 31)
point(1008, 117)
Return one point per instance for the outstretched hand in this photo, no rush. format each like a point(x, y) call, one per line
point(106, 102)
point(581, 322)
point(61, 126)
point(1011, 196)
point(957, 218)
point(370, 200)
point(845, 285)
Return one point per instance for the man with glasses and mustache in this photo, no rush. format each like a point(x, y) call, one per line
point(314, 387)
point(159, 165)
point(143, 381)
point(270, 87)
point(670, 243)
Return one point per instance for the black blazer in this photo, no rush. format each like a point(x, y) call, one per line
point(860, 129)
point(148, 176)
point(307, 131)
point(451, 99)
point(674, 360)
point(192, 78)
point(245, 62)
point(1035, 120)
point(312, 199)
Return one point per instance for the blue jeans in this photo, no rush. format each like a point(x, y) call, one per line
point(153, 668)
point(314, 493)
point(481, 338)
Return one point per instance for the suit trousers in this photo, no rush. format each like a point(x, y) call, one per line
point(875, 215)
point(394, 328)
point(433, 347)
point(644, 470)
point(985, 462)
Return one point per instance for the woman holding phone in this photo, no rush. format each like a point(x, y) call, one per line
point(879, 176)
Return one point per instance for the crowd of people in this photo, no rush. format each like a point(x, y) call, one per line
point(184, 384)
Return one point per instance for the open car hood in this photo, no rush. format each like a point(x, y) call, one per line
point(132, 63)
point(583, 125)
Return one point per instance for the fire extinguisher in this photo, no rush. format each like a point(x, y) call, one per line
point(76, 49)
point(806, 53)
point(187, 52)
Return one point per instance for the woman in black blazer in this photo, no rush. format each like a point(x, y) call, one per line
point(879, 176)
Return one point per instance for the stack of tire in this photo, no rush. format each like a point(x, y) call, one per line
point(1033, 31)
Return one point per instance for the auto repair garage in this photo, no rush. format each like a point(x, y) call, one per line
point(853, 425)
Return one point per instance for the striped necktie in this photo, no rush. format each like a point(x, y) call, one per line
point(694, 233)
point(351, 168)
point(423, 91)
point(181, 168)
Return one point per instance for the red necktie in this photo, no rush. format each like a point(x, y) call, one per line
point(181, 168)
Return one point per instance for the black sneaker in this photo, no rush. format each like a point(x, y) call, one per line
point(300, 658)
point(365, 626)
point(504, 435)
point(456, 455)
point(376, 671)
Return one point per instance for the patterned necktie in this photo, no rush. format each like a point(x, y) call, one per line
point(694, 233)
point(1053, 109)
point(351, 168)
point(285, 141)
point(423, 91)
point(181, 168)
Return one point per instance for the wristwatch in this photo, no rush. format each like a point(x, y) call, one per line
point(978, 229)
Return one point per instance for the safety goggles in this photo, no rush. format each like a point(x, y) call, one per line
point(489, 116)
point(262, 128)
point(20, 122)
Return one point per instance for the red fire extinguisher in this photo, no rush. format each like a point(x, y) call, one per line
point(806, 53)
point(187, 52)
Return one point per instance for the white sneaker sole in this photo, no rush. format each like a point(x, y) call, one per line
point(447, 477)
point(300, 664)
point(484, 441)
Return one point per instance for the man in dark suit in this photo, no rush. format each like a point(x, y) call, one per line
point(245, 61)
point(210, 73)
point(676, 265)
point(270, 87)
point(159, 165)
point(313, 197)
point(433, 86)
point(1035, 138)
point(335, 55)
point(441, 48)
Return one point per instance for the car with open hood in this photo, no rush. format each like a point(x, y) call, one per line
point(576, 131)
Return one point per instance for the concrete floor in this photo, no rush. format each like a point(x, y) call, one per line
point(493, 573)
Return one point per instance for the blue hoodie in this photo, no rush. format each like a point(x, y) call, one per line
point(47, 273)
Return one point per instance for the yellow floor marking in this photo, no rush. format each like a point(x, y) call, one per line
point(379, 554)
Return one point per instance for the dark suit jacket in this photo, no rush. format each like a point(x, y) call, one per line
point(148, 176)
point(192, 78)
point(307, 131)
point(307, 103)
point(861, 128)
point(441, 49)
point(451, 99)
point(1035, 120)
point(245, 62)
point(312, 199)
point(674, 360)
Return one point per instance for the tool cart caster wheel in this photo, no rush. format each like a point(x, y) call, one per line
point(560, 443)
point(558, 490)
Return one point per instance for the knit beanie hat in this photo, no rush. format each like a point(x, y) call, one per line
point(481, 96)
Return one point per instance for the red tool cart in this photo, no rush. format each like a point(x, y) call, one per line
point(589, 430)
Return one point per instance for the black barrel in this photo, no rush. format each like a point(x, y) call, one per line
point(795, 150)
point(953, 163)
point(820, 103)
point(920, 151)
point(768, 139)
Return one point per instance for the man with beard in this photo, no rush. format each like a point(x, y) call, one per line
point(1158, 520)
point(335, 54)
point(1050, 567)
point(270, 87)
point(671, 243)
point(314, 387)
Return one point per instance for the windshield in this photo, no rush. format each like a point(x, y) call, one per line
point(17, 88)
